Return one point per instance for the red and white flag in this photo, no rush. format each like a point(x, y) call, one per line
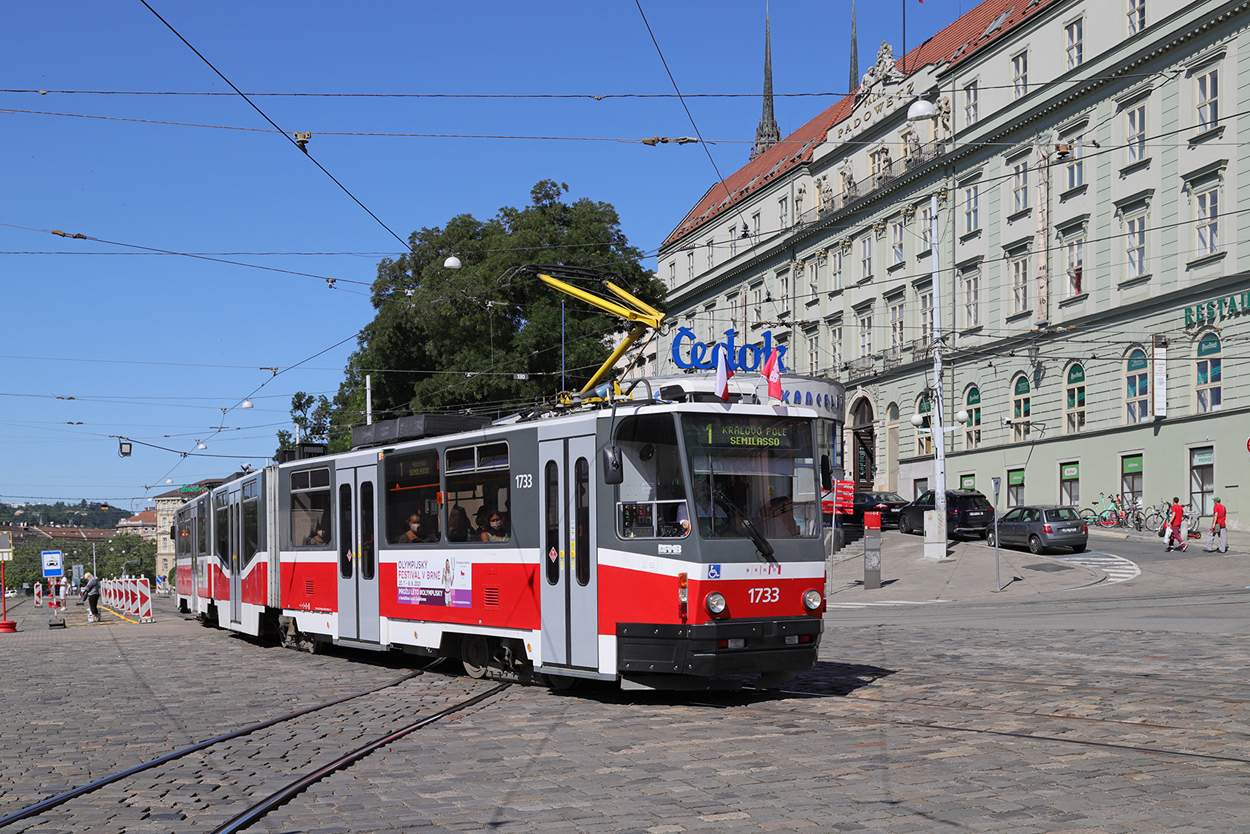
point(772, 373)
point(724, 372)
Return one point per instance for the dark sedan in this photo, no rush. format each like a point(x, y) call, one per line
point(886, 503)
point(967, 512)
point(1042, 528)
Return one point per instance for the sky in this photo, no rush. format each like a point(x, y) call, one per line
point(209, 236)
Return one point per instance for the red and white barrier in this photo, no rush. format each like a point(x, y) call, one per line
point(128, 596)
point(38, 594)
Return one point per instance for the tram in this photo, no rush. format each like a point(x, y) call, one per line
point(666, 542)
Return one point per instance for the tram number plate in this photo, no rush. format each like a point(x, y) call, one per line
point(765, 595)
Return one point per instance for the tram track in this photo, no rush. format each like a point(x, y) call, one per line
point(290, 788)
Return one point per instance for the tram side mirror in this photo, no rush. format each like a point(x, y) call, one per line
point(613, 472)
point(173, 533)
point(826, 474)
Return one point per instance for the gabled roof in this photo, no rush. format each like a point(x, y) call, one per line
point(965, 37)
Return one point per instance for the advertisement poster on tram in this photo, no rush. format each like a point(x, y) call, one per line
point(435, 581)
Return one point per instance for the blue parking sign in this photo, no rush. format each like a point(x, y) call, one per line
point(52, 565)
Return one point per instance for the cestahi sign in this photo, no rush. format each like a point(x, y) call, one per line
point(741, 358)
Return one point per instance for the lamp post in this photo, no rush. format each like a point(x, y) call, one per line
point(939, 432)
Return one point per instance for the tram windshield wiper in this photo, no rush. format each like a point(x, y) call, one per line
point(757, 538)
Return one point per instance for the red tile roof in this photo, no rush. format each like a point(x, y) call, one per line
point(962, 39)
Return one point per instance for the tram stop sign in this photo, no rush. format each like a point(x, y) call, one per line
point(52, 566)
point(6, 547)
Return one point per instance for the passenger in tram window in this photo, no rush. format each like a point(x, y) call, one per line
point(496, 528)
point(458, 527)
point(319, 538)
point(418, 531)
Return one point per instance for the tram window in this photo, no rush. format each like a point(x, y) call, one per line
point(310, 508)
point(412, 498)
point(201, 529)
point(345, 531)
point(651, 498)
point(366, 531)
point(222, 540)
point(477, 494)
point(757, 468)
point(581, 542)
point(251, 528)
point(551, 521)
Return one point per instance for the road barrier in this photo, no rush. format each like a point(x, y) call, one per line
point(128, 596)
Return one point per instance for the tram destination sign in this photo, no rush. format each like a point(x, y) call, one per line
point(772, 435)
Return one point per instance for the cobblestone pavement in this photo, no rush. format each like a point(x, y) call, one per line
point(898, 729)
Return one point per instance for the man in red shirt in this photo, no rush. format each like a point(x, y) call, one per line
point(1218, 517)
point(1178, 517)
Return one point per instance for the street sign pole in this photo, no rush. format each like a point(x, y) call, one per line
point(998, 585)
point(6, 554)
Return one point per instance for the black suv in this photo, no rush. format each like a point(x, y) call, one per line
point(967, 511)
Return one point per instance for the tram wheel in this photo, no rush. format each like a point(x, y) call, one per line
point(562, 683)
point(475, 655)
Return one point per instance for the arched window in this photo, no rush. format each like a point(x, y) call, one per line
point(1137, 387)
point(924, 432)
point(1020, 409)
point(972, 430)
point(1075, 407)
point(1210, 392)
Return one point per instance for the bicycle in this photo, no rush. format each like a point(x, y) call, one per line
point(1130, 517)
point(1092, 515)
point(1157, 517)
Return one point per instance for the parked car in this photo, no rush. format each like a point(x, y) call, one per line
point(967, 512)
point(1042, 527)
point(886, 503)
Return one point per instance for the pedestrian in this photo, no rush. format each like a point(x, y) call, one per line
point(1178, 517)
point(92, 592)
point(1218, 516)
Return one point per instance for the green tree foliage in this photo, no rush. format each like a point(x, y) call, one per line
point(445, 340)
point(311, 415)
point(83, 514)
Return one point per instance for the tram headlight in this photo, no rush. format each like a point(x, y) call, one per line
point(715, 603)
point(811, 599)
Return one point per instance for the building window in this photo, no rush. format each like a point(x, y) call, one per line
point(1136, 16)
point(1020, 74)
point(880, 159)
point(711, 252)
point(924, 432)
point(733, 241)
point(1137, 387)
point(906, 140)
point(672, 274)
point(865, 256)
point(972, 220)
point(972, 429)
point(735, 311)
point(1020, 409)
point(835, 345)
point(1076, 162)
point(813, 353)
point(970, 104)
point(1207, 204)
point(1202, 479)
point(835, 270)
point(1074, 263)
point(690, 266)
point(1020, 284)
point(865, 336)
point(926, 228)
point(1020, 187)
point(1074, 36)
point(1070, 484)
point(783, 211)
point(1131, 480)
point(1015, 487)
point(757, 302)
point(1210, 396)
point(813, 277)
point(1208, 99)
point(926, 317)
point(971, 293)
point(896, 241)
point(755, 227)
point(1075, 407)
point(1135, 133)
point(1136, 242)
point(896, 325)
point(783, 288)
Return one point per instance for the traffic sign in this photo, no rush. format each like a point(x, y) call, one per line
point(52, 564)
point(6, 547)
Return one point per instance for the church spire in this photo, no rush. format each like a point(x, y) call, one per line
point(853, 84)
point(767, 134)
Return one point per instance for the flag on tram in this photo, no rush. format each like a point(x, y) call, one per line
point(772, 373)
point(724, 372)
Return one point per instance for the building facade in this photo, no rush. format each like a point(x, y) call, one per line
point(1065, 229)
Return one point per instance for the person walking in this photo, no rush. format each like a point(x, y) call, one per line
point(1176, 521)
point(92, 592)
point(1218, 517)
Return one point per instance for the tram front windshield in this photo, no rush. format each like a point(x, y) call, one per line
point(757, 468)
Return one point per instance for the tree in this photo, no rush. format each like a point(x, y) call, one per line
point(314, 426)
point(486, 337)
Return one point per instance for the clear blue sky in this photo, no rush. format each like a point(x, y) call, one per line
point(100, 340)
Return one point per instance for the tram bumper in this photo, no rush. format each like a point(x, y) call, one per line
point(718, 648)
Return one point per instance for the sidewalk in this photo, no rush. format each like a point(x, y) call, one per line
point(1238, 541)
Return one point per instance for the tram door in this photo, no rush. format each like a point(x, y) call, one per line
point(570, 595)
point(359, 615)
point(229, 550)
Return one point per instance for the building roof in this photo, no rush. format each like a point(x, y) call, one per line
point(969, 35)
point(141, 519)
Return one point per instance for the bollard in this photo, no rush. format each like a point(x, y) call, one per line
point(872, 551)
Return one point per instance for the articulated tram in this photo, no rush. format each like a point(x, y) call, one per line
point(662, 543)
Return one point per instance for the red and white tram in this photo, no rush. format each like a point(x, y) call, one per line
point(662, 544)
